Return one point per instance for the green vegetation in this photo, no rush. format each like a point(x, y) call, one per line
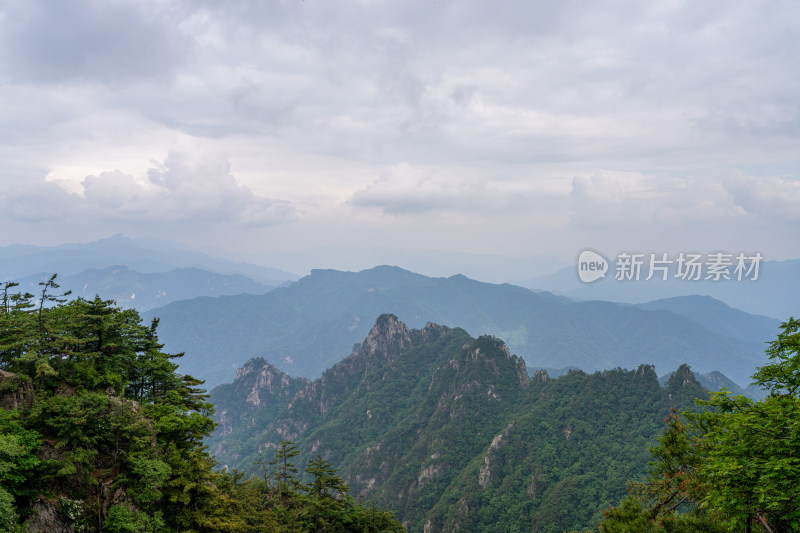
point(734, 466)
point(448, 430)
point(99, 432)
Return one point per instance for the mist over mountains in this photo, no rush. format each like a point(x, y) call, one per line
point(144, 291)
point(774, 294)
point(309, 325)
point(18, 261)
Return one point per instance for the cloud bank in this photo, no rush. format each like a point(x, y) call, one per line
point(520, 117)
point(180, 190)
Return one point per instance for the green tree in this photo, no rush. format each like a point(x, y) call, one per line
point(751, 450)
point(326, 495)
point(110, 435)
point(734, 466)
point(283, 468)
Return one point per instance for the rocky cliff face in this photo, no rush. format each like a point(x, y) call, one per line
point(15, 391)
point(388, 338)
point(266, 401)
point(258, 386)
point(258, 394)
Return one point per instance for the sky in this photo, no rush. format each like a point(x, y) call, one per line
point(508, 129)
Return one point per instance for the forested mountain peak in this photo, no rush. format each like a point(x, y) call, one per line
point(684, 386)
point(449, 431)
point(260, 390)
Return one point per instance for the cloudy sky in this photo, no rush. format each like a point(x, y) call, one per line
point(505, 128)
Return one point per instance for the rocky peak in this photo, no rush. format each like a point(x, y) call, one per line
point(683, 384)
point(647, 371)
point(259, 387)
point(253, 365)
point(387, 337)
point(433, 332)
point(682, 377)
point(540, 375)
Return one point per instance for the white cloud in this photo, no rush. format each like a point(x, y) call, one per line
point(767, 197)
point(407, 189)
point(199, 191)
point(616, 199)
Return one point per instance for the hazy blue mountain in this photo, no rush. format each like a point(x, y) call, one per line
point(775, 294)
point(144, 291)
point(719, 317)
point(435, 263)
point(17, 261)
point(451, 434)
point(304, 328)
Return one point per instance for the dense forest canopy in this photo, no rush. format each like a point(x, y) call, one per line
point(98, 431)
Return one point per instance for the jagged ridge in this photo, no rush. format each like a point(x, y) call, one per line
point(436, 425)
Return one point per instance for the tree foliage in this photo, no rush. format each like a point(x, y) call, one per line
point(734, 465)
point(100, 428)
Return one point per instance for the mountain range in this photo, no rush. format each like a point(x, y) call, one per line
point(305, 327)
point(450, 432)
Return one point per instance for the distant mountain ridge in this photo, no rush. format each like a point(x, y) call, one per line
point(17, 261)
point(145, 291)
point(775, 294)
point(451, 433)
point(719, 317)
point(304, 327)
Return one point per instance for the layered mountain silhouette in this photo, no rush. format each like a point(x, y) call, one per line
point(304, 328)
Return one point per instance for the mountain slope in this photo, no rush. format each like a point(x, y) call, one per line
point(451, 434)
point(305, 327)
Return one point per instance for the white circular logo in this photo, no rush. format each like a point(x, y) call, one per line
point(591, 266)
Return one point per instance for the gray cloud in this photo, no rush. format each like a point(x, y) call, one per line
point(36, 202)
point(87, 40)
point(648, 105)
